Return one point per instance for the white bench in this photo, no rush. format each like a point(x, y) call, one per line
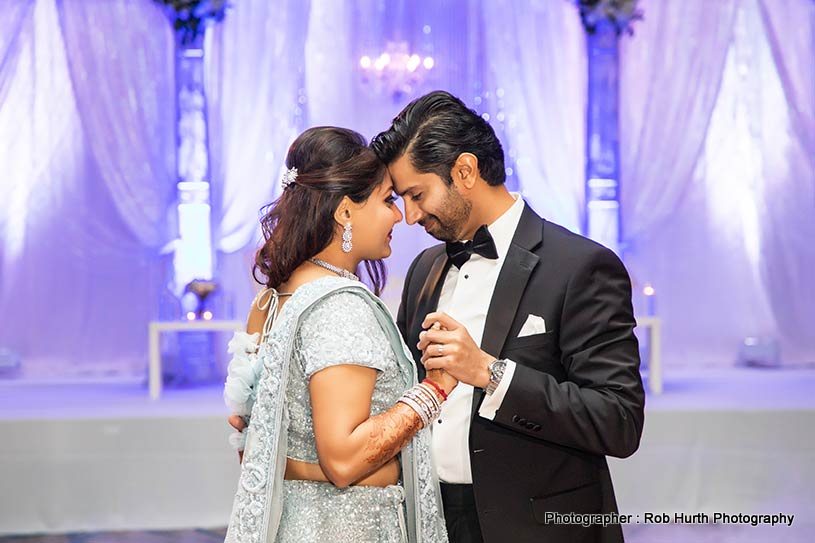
point(157, 327)
point(654, 326)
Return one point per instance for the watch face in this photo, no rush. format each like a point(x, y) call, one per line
point(496, 369)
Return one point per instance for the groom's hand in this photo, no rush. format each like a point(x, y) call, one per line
point(453, 350)
point(238, 424)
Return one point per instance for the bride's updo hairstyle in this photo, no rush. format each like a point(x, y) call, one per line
point(331, 163)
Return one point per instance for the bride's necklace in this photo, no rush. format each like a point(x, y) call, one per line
point(332, 268)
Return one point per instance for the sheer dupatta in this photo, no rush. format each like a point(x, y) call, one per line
point(258, 504)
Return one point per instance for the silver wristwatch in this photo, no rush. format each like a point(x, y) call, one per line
point(496, 368)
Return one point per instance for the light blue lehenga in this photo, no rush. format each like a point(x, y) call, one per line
point(327, 322)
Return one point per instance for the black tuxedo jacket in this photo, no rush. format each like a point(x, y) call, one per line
point(576, 395)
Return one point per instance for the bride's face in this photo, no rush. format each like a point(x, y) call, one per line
point(374, 220)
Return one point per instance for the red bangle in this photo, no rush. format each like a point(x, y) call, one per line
point(437, 387)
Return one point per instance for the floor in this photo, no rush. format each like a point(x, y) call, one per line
point(767, 390)
point(184, 536)
point(713, 533)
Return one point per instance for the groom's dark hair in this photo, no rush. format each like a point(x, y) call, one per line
point(434, 130)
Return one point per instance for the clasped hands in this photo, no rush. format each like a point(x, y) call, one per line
point(451, 354)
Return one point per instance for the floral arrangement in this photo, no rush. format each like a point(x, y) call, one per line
point(190, 17)
point(243, 374)
point(621, 14)
point(202, 288)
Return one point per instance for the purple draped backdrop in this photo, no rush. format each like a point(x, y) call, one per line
point(716, 151)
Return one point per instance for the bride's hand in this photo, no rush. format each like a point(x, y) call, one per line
point(237, 422)
point(446, 381)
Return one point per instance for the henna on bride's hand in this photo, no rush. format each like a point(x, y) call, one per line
point(391, 431)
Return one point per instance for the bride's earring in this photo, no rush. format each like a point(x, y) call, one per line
point(346, 238)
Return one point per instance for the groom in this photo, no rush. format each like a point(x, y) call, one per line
point(537, 325)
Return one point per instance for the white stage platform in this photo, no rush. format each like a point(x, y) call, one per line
point(733, 441)
point(105, 457)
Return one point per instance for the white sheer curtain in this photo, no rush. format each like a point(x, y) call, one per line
point(15, 27)
point(78, 283)
point(330, 49)
point(727, 246)
point(670, 72)
point(670, 75)
point(110, 45)
point(716, 141)
point(790, 32)
point(255, 63)
point(787, 202)
point(16, 36)
point(256, 60)
point(537, 56)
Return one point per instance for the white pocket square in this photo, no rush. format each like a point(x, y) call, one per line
point(533, 325)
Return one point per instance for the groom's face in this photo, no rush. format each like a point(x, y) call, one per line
point(430, 201)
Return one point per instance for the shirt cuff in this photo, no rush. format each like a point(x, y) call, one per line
point(492, 402)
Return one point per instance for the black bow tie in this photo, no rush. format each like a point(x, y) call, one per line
point(460, 252)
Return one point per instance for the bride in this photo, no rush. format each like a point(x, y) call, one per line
point(337, 446)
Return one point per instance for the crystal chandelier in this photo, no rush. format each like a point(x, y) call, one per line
point(396, 71)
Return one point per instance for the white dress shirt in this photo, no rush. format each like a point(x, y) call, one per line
point(465, 296)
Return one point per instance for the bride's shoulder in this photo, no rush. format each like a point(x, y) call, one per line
point(341, 309)
point(258, 311)
point(351, 301)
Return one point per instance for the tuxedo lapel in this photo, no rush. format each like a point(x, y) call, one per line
point(428, 300)
point(509, 289)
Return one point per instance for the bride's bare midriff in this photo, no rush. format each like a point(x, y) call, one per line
point(304, 471)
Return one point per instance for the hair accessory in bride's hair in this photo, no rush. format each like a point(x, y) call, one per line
point(289, 178)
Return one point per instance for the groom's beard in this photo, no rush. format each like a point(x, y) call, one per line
point(448, 226)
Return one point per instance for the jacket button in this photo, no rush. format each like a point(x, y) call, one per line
point(530, 425)
point(537, 428)
point(522, 421)
point(515, 418)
